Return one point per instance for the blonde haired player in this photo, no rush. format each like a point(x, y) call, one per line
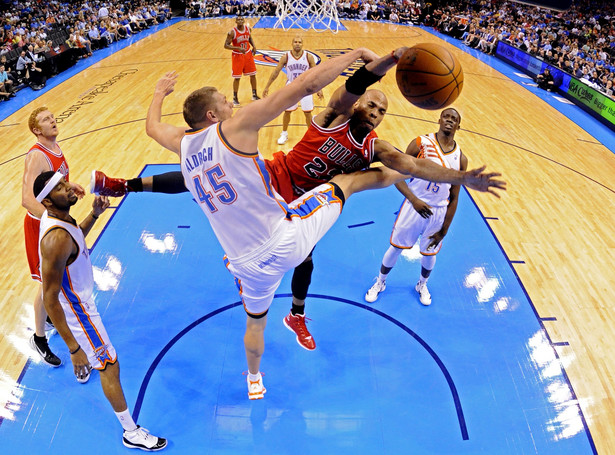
point(429, 208)
point(45, 155)
point(262, 236)
point(297, 61)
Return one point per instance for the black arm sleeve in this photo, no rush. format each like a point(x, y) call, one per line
point(170, 183)
point(357, 83)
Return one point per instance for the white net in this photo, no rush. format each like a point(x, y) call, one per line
point(319, 15)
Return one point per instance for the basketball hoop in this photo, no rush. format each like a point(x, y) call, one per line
point(318, 15)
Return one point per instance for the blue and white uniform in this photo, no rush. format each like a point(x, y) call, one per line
point(294, 68)
point(77, 297)
point(409, 225)
point(262, 236)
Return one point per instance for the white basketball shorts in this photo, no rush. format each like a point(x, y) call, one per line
point(86, 326)
point(409, 226)
point(259, 274)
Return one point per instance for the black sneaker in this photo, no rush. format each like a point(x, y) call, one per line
point(140, 438)
point(48, 357)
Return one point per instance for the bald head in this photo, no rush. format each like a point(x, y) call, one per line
point(375, 96)
point(369, 110)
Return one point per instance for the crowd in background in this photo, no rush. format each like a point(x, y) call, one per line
point(579, 41)
point(40, 39)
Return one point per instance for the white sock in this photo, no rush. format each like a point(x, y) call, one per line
point(382, 277)
point(126, 420)
point(254, 377)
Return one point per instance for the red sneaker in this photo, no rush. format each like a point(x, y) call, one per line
point(296, 323)
point(101, 185)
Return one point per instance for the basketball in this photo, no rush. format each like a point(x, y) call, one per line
point(429, 76)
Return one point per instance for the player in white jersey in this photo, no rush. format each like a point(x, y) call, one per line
point(262, 236)
point(429, 208)
point(68, 285)
point(295, 62)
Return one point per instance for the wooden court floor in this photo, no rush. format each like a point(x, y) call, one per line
point(555, 222)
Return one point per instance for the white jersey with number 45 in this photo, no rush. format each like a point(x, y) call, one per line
point(234, 191)
point(435, 194)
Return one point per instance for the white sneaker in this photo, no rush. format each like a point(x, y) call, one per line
point(424, 295)
point(283, 138)
point(256, 389)
point(377, 288)
point(141, 439)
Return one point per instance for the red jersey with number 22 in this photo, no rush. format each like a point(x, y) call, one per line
point(321, 154)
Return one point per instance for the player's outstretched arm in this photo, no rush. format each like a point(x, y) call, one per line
point(428, 170)
point(256, 115)
point(35, 164)
point(275, 74)
point(167, 135)
point(486, 182)
point(345, 96)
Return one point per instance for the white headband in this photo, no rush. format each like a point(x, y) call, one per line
point(53, 181)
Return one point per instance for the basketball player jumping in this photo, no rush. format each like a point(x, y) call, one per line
point(340, 139)
point(222, 169)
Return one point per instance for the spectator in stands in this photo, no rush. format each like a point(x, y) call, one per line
point(404, 15)
point(94, 36)
point(577, 71)
point(6, 85)
point(40, 62)
point(103, 11)
point(10, 70)
point(608, 90)
point(23, 68)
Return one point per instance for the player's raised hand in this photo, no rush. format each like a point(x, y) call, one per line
point(479, 180)
point(78, 189)
point(166, 84)
point(397, 53)
point(368, 55)
point(100, 204)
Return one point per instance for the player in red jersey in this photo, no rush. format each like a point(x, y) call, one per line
point(45, 155)
point(239, 40)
